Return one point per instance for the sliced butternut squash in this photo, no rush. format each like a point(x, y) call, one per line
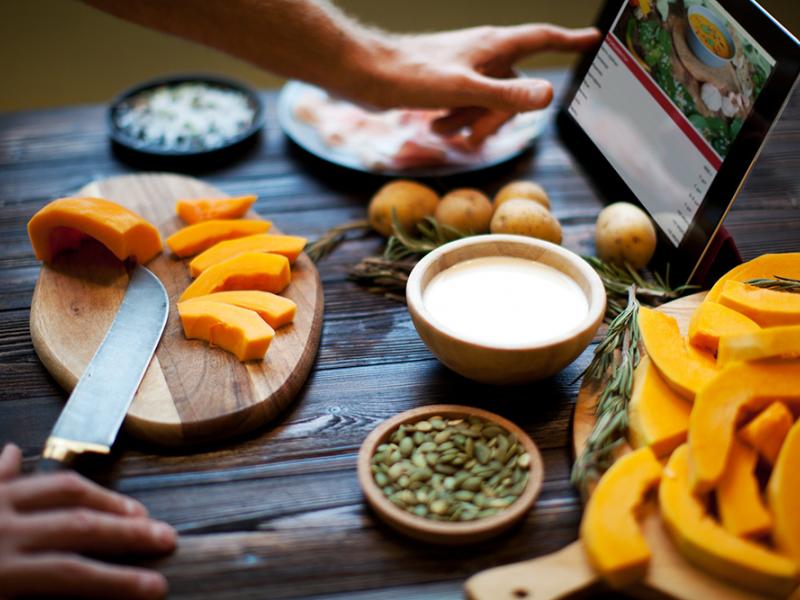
point(783, 495)
point(276, 310)
point(200, 236)
point(666, 348)
point(657, 416)
point(766, 265)
point(769, 342)
point(237, 330)
point(248, 271)
point(64, 223)
point(196, 210)
point(739, 503)
point(711, 320)
point(609, 530)
point(706, 544)
point(701, 355)
point(738, 388)
point(289, 246)
point(768, 308)
point(766, 432)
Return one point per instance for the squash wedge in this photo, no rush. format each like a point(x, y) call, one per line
point(248, 271)
point(739, 503)
point(768, 308)
point(276, 310)
point(770, 342)
point(783, 494)
point(64, 223)
point(766, 265)
point(200, 236)
point(711, 320)
point(766, 432)
point(196, 210)
point(289, 246)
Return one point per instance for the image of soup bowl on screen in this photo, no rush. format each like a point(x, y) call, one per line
point(709, 38)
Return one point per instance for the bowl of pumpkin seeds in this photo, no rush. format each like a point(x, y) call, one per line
point(450, 474)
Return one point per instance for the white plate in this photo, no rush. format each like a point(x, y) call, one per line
point(525, 127)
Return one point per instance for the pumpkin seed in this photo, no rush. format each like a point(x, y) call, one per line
point(406, 447)
point(423, 426)
point(482, 452)
point(418, 437)
point(439, 507)
point(381, 479)
point(437, 423)
point(473, 484)
point(421, 474)
point(442, 436)
point(445, 469)
point(419, 459)
point(427, 447)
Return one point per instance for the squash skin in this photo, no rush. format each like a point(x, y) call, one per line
point(712, 320)
point(768, 308)
point(739, 387)
point(783, 494)
point(196, 210)
point(237, 330)
point(248, 271)
point(741, 509)
point(666, 348)
point(609, 531)
point(658, 418)
point(63, 223)
point(767, 265)
point(706, 544)
point(276, 310)
point(198, 237)
point(770, 342)
point(767, 431)
point(289, 246)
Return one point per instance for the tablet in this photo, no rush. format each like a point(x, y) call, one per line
point(673, 109)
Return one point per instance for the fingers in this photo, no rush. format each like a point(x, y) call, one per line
point(486, 126)
point(510, 95)
point(86, 531)
point(521, 40)
point(64, 490)
point(52, 575)
point(10, 461)
point(457, 119)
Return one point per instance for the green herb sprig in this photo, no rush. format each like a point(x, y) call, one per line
point(777, 283)
point(319, 249)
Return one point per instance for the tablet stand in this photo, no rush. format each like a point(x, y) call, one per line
point(722, 255)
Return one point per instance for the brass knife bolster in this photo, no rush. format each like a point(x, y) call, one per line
point(64, 451)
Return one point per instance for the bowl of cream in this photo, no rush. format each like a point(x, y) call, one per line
point(505, 309)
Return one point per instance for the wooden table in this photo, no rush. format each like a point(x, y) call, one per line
point(280, 514)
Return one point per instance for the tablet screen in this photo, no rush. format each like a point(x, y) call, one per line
point(666, 96)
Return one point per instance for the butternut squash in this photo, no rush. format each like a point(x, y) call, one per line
point(738, 388)
point(706, 544)
point(248, 271)
point(766, 432)
point(711, 320)
point(739, 503)
point(666, 348)
point(765, 343)
point(766, 265)
point(276, 310)
point(609, 531)
point(657, 416)
point(701, 356)
point(783, 495)
point(200, 236)
point(768, 308)
point(205, 209)
point(286, 245)
point(237, 330)
point(64, 223)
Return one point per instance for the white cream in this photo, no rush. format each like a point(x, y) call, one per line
point(504, 301)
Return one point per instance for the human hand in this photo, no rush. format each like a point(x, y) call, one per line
point(48, 523)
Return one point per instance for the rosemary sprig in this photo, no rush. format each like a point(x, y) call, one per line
point(402, 246)
point(382, 276)
point(320, 248)
point(777, 283)
point(614, 361)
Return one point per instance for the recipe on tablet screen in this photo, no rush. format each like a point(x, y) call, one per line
point(665, 98)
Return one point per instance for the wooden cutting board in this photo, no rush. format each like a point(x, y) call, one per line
point(191, 392)
point(567, 573)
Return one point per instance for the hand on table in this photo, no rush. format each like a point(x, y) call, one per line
point(48, 523)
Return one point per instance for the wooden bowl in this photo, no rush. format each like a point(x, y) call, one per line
point(441, 532)
point(497, 364)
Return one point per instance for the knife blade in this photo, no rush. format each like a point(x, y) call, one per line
point(97, 405)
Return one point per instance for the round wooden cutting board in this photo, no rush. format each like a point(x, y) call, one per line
point(191, 392)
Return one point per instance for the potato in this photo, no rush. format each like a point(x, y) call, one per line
point(522, 189)
point(526, 217)
point(412, 201)
point(624, 233)
point(465, 209)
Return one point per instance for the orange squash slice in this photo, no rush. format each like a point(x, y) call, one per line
point(276, 310)
point(200, 236)
point(237, 330)
point(783, 492)
point(711, 320)
point(609, 530)
point(289, 246)
point(205, 209)
point(768, 308)
point(766, 432)
point(766, 265)
point(248, 271)
point(769, 342)
point(739, 503)
point(706, 544)
point(65, 223)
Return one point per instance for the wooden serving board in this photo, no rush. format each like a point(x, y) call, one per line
point(191, 392)
point(567, 573)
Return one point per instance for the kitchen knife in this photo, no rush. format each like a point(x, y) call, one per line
point(97, 406)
